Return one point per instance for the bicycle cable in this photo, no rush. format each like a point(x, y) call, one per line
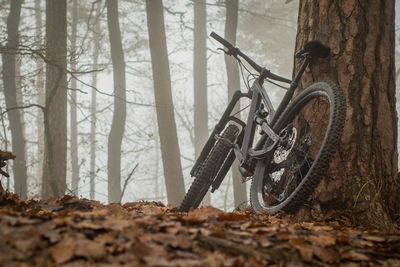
point(237, 112)
point(276, 84)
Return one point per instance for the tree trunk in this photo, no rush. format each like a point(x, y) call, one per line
point(55, 112)
point(41, 95)
point(93, 103)
point(10, 93)
point(362, 181)
point(119, 115)
point(164, 106)
point(72, 105)
point(232, 70)
point(200, 81)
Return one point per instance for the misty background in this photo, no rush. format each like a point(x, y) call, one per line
point(266, 32)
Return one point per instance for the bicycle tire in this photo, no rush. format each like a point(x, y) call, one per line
point(209, 169)
point(306, 178)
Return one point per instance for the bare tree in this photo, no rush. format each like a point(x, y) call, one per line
point(200, 80)
point(363, 180)
point(73, 103)
point(10, 93)
point(41, 93)
point(164, 106)
point(55, 110)
point(119, 115)
point(239, 188)
point(93, 104)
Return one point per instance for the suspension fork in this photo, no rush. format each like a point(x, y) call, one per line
point(226, 117)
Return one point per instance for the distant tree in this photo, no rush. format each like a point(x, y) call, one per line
point(10, 93)
point(73, 103)
point(40, 85)
point(200, 80)
point(93, 104)
point(232, 70)
point(119, 114)
point(55, 112)
point(164, 106)
point(362, 183)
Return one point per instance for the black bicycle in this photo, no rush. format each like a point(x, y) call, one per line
point(293, 148)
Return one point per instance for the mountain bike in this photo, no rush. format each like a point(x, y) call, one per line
point(288, 155)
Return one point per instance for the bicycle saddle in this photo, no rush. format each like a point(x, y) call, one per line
point(314, 48)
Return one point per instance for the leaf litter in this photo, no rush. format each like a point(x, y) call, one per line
point(78, 232)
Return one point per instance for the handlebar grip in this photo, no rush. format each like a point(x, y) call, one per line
point(221, 40)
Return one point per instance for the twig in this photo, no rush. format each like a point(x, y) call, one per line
point(127, 181)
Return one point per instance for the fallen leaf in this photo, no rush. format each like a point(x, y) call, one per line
point(354, 256)
point(326, 254)
point(202, 214)
point(323, 240)
point(63, 251)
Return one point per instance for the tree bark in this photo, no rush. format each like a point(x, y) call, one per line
point(10, 93)
point(164, 106)
point(362, 182)
point(119, 115)
point(41, 95)
point(232, 70)
point(72, 105)
point(55, 112)
point(200, 81)
point(93, 104)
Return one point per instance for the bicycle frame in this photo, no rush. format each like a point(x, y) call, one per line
point(246, 152)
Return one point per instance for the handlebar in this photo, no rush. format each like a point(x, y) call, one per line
point(234, 51)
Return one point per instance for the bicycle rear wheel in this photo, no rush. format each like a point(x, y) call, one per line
point(311, 127)
point(209, 169)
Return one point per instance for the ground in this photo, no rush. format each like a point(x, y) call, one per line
point(78, 232)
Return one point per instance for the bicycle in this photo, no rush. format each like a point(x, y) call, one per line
point(286, 160)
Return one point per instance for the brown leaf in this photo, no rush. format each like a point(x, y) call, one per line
point(354, 256)
point(88, 225)
point(179, 241)
point(89, 249)
point(323, 240)
point(202, 214)
point(374, 238)
point(326, 254)
point(63, 251)
point(301, 245)
point(232, 216)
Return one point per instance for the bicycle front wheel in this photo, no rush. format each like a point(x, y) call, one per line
point(209, 169)
point(310, 129)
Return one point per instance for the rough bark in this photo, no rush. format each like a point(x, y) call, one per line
point(55, 112)
point(72, 105)
point(362, 181)
point(41, 94)
point(200, 81)
point(164, 106)
point(232, 70)
point(119, 115)
point(10, 93)
point(93, 104)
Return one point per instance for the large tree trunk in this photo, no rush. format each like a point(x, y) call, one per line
point(41, 95)
point(72, 105)
point(119, 115)
point(10, 93)
point(164, 107)
point(55, 112)
point(232, 69)
point(200, 81)
point(362, 181)
point(93, 104)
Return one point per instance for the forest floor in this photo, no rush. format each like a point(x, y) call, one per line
point(78, 232)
